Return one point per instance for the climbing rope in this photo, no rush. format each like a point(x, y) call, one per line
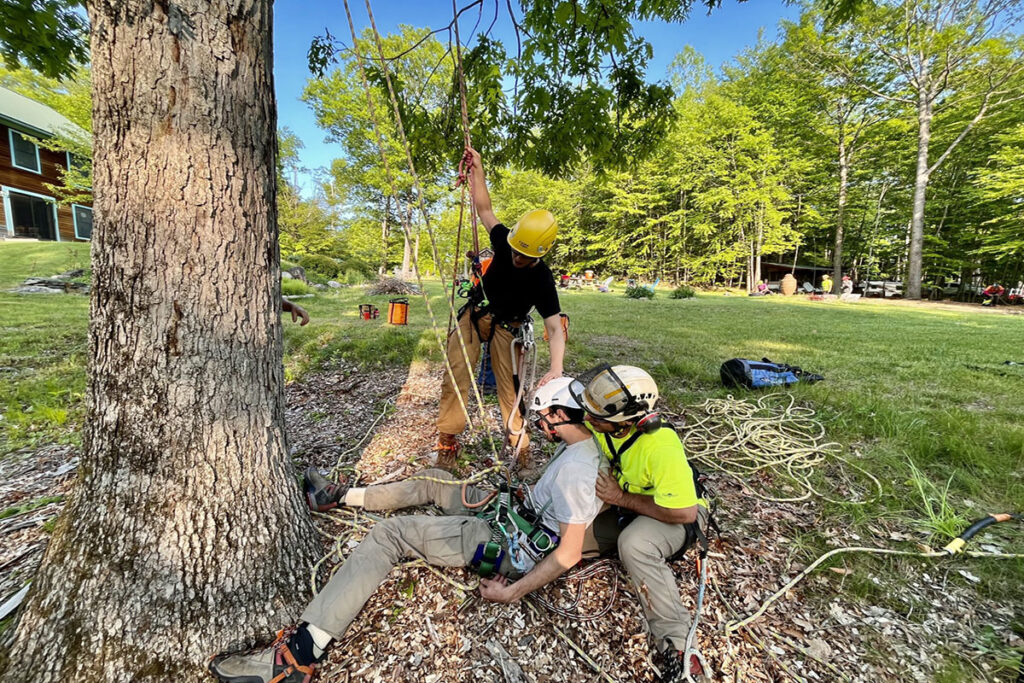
point(954, 548)
point(423, 211)
point(742, 438)
point(580, 574)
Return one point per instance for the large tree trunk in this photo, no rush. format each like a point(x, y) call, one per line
point(186, 534)
point(912, 289)
point(837, 256)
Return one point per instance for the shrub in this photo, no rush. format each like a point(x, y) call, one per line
point(294, 288)
point(354, 277)
point(683, 292)
point(288, 263)
point(323, 266)
point(639, 292)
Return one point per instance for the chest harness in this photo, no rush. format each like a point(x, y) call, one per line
point(517, 530)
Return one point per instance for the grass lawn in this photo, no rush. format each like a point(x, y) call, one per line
point(904, 385)
point(42, 347)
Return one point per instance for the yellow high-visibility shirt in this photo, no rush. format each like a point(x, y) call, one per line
point(655, 465)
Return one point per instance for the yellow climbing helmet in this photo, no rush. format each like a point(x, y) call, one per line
point(534, 233)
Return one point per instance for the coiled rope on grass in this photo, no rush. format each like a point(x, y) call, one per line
point(771, 434)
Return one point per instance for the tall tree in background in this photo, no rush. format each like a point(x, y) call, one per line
point(186, 531)
point(929, 54)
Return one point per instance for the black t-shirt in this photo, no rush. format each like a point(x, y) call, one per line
point(514, 291)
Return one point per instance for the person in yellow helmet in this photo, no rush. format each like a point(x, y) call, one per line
point(517, 281)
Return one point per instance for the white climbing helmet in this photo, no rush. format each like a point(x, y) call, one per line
point(555, 394)
point(616, 394)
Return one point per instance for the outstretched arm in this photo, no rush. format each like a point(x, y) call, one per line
point(481, 197)
point(296, 310)
point(556, 345)
point(563, 558)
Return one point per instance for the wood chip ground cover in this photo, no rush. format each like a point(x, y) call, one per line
point(420, 626)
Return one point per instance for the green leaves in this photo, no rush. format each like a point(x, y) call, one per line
point(50, 36)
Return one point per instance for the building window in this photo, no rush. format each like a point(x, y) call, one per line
point(83, 221)
point(30, 215)
point(24, 152)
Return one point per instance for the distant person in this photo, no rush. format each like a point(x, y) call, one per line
point(847, 285)
point(826, 284)
point(994, 292)
point(761, 289)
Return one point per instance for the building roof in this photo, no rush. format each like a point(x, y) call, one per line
point(38, 119)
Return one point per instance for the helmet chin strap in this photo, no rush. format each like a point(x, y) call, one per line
point(541, 422)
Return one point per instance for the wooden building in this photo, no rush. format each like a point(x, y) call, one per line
point(29, 209)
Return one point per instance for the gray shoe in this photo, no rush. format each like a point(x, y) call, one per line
point(275, 664)
point(322, 494)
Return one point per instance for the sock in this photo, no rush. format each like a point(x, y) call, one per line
point(355, 497)
point(321, 639)
point(301, 646)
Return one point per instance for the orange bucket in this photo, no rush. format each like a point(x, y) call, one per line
point(398, 311)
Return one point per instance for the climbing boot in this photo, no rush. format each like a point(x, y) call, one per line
point(448, 448)
point(673, 666)
point(322, 494)
point(275, 664)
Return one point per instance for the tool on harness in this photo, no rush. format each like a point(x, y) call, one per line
point(516, 529)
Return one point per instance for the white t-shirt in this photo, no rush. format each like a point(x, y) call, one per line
point(565, 493)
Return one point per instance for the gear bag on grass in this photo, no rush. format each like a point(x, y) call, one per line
point(752, 374)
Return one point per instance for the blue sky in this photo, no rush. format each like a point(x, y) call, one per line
point(719, 37)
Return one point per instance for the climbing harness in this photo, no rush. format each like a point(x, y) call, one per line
point(516, 528)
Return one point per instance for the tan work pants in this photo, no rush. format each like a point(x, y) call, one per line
point(448, 541)
point(644, 547)
point(452, 419)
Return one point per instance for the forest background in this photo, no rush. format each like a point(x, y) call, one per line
point(887, 147)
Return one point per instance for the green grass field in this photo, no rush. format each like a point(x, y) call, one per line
point(907, 386)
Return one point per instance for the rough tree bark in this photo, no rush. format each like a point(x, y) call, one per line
point(912, 289)
point(844, 175)
point(186, 534)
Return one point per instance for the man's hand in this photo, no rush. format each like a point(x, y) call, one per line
point(552, 374)
point(296, 311)
point(608, 489)
point(497, 589)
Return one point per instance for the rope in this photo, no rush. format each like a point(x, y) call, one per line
point(336, 470)
point(735, 625)
point(426, 218)
point(741, 438)
point(581, 574)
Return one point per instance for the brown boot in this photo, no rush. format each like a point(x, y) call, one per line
point(448, 448)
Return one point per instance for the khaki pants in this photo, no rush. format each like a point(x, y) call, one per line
point(644, 547)
point(448, 541)
point(452, 419)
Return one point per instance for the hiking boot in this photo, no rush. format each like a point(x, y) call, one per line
point(673, 666)
point(448, 448)
point(322, 494)
point(275, 664)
